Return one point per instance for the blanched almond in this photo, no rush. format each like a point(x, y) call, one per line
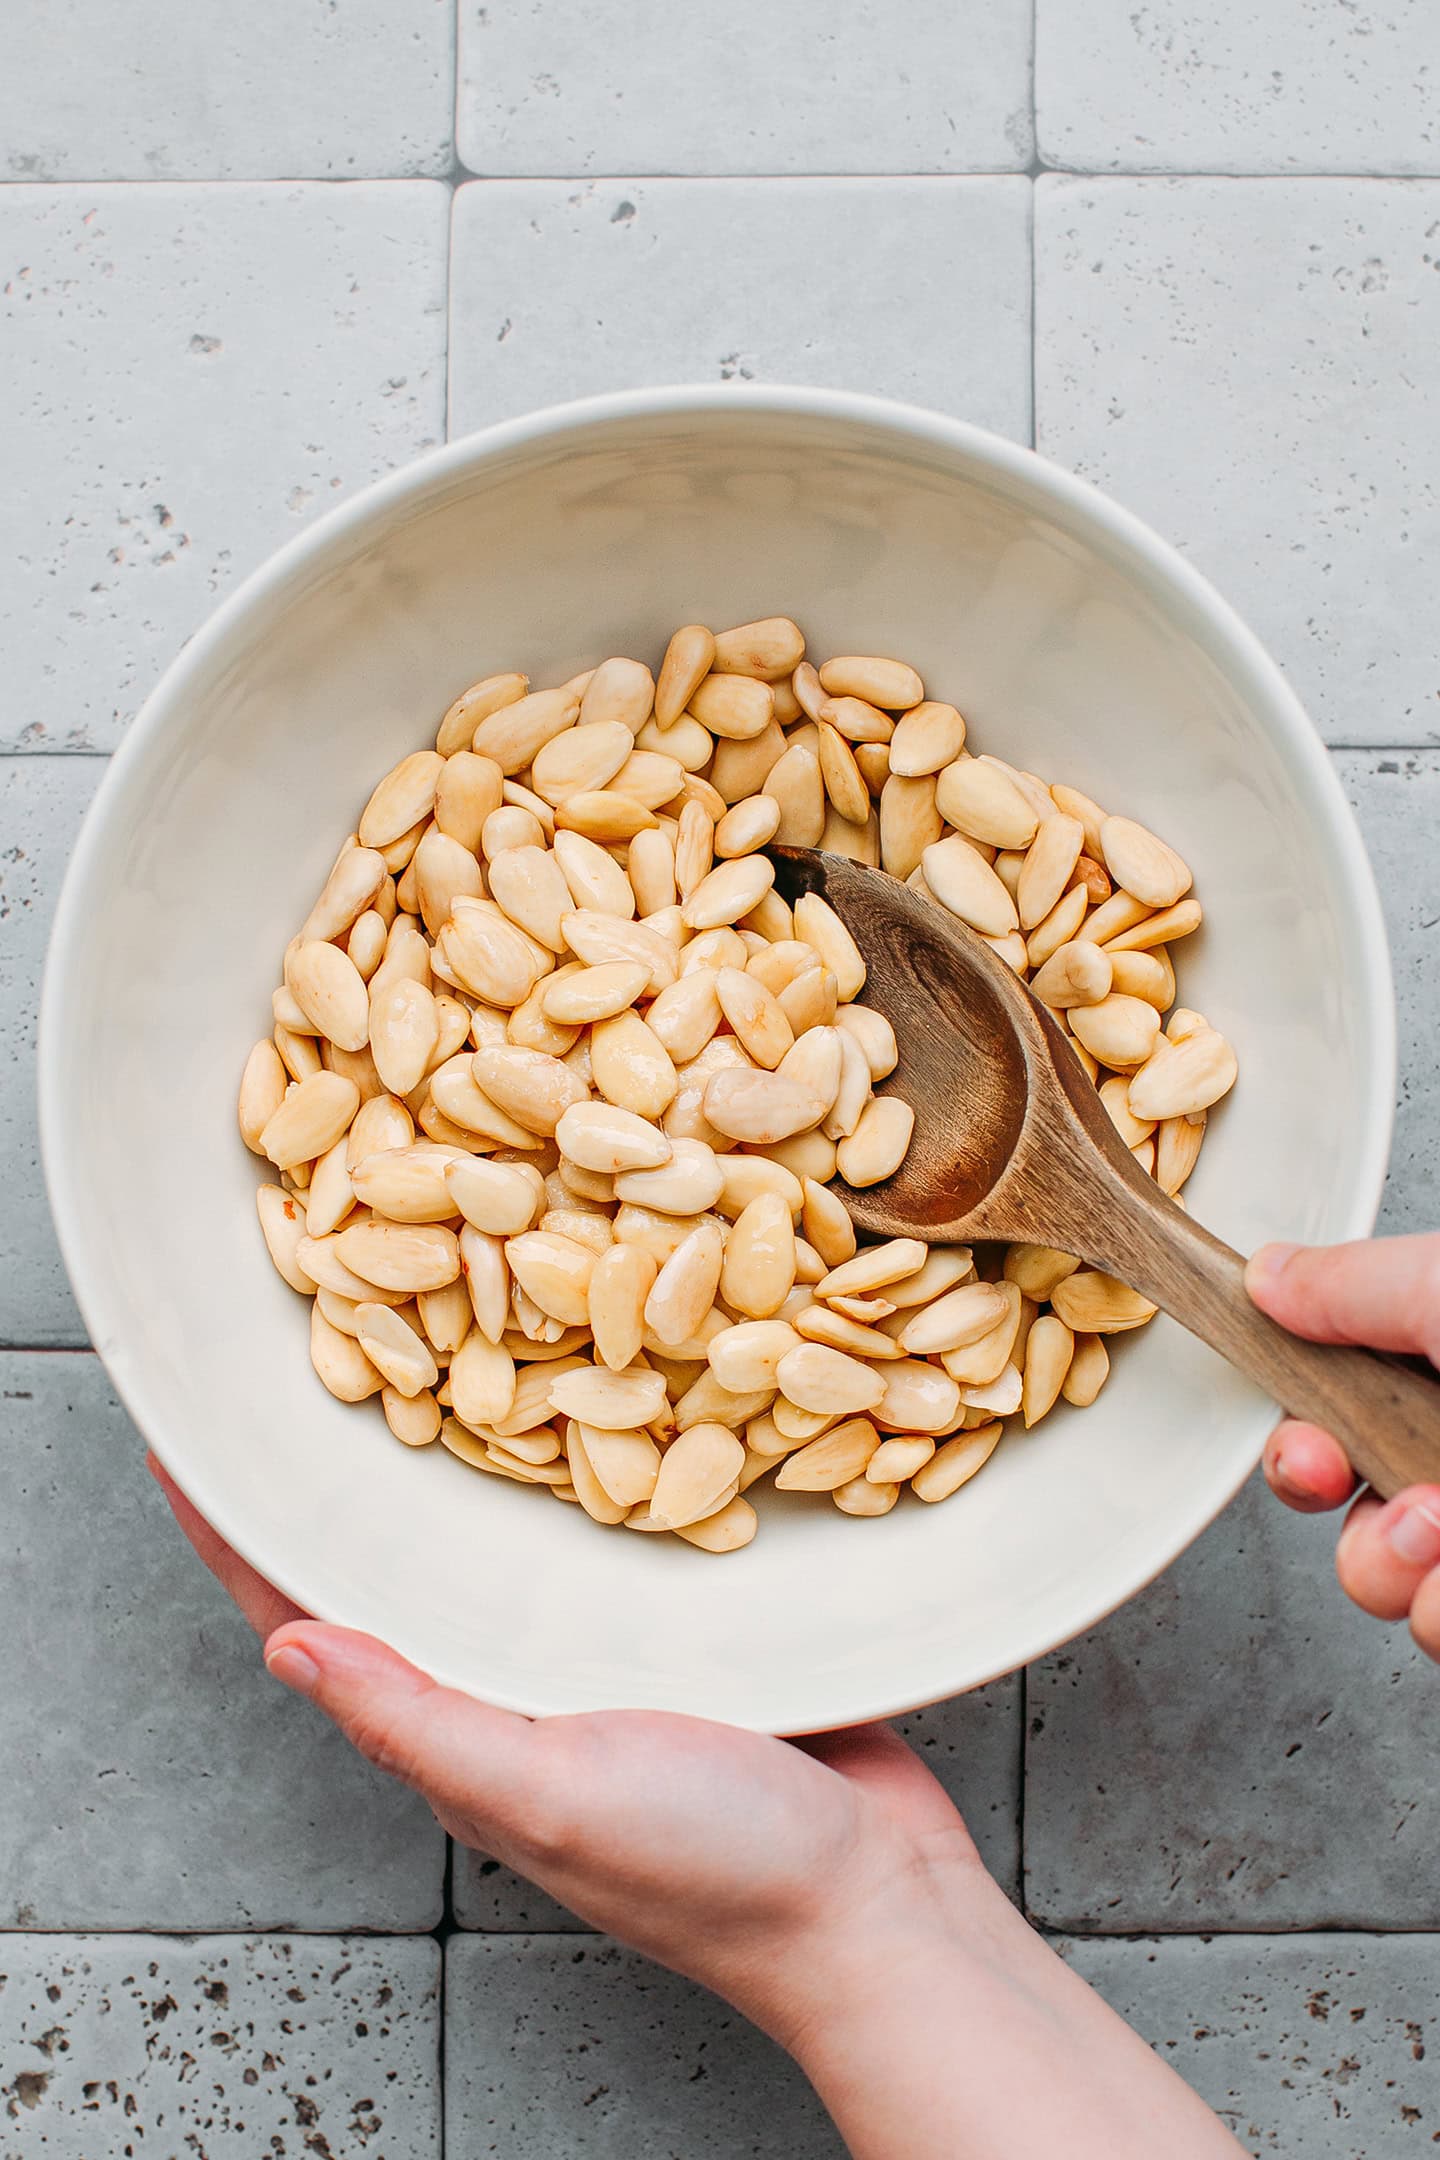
point(403, 798)
point(1177, 1150)
point(394, 1349)
point(626, 1464)
point(817, 925)
point(896, 1460)
point(283, 1227)
point(404, 1027)
point(1096, 1304)
point(1089, 1370)
point(482, 1381)
point(956, 1462)
point(595, 938)
point(404, 1184)
point(414, 1419)
point(400, 1256)
point(928, 738)
point(1120, 1031)
point(839, 1455)
point(759, 1264)
point(1048, 867)
point(698, 1473)
point(688, 1184)
point(815, 1377)
point(349, 890)
point(381, 1123)
point(684, 1290)
point(891, 684)
point(759, 1107)
point(1048, 1352)
point(630, 1066)
point(735, 706)
point(530, 1086)
point(727, 1530)
point(826, 1223)
point(598, 1136)
point(728, 892)
point(619, 1285)
point(1181, 1078)
point(1142, 864)
point(687, 662)
point(864, 1496)
point(744, 1358)
point(959, 1317)
point(749, 825)
point(474, 705)
point(962, 881)
point(555, 1272)
point(1077, 973)
point(515, 734)
point(1162, 929)
point(980, 800)
point(488, 956)
point(917, 1397)
point(330, 991)
point(310, 1119)
point(619, 692)
point(796, 784)
point(340, 1362)
point(774, 646)
point(910, 822)
point(876, 1148)
point(262, 1090)
point(620, 1401)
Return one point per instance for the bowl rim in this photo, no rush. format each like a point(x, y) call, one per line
point(367, 513)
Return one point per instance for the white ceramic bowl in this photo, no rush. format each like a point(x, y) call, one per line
point(1076, 643)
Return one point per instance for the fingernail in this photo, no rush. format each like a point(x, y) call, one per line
point(1414, 1535)
point(1285, 1476)
point(1270, 1261)
point(288, 1662)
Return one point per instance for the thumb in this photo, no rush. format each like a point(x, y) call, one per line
point(1382, 1292)
point(471, 1761)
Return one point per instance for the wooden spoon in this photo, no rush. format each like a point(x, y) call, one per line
point(1011, 1141)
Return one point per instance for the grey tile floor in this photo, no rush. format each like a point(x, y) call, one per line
point(248, 261)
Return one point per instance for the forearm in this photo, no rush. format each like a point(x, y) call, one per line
point(971, 2040)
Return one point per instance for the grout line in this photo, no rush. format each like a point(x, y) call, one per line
point(456, 174)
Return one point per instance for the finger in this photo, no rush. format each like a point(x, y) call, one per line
point(1425, 1615)
point(1387, 1549)
point(1383, 1292)
point(471, 1761)
point(262, 1604)
point(877, 1759)
point(1306, 1468)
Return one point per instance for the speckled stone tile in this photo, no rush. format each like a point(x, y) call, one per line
point(1323, 2045)
point(585, 2049)
point(972, 1744)
point(1250, 365)
point(1397, 800)
point(209, 91)
point(190, 375)
point(561, 288)
point(1232, 86)
point(639, 86)
point(218, 2048)
point(1239, 1748)
point(152, 1775)
point(42, 801)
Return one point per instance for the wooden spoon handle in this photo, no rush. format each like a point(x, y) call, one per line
point(1384, 1411)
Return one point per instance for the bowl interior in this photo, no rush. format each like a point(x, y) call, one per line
point(1074, 646)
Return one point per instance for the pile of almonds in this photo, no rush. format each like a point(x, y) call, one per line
point(615, 1263)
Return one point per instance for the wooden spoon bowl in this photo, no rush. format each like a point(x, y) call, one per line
point(1012, 1142)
